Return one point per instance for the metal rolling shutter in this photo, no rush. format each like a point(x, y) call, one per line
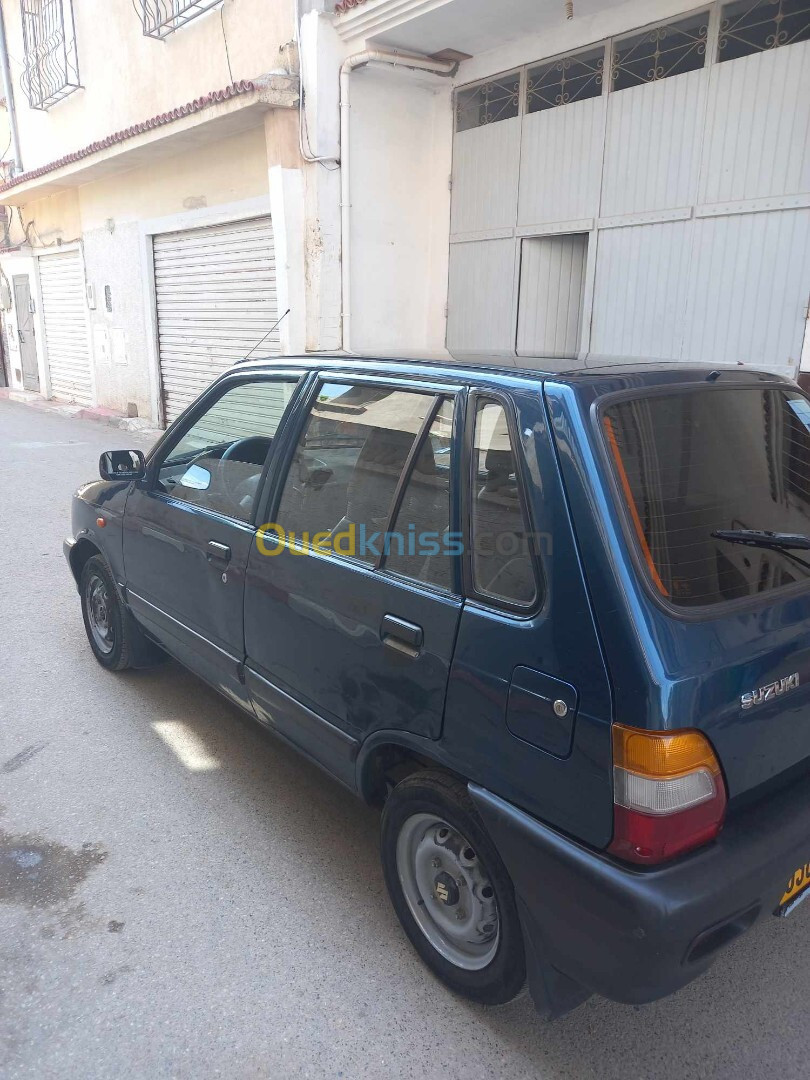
point(64, 311)
point(216, 298)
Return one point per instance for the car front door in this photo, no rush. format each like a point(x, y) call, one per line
point(188, 527)
point(353, 594)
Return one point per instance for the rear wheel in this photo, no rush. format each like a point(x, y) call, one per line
point(450, 889)
point(104, 621)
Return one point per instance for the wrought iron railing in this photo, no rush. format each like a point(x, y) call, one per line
point(160, 18)
point(50, 63)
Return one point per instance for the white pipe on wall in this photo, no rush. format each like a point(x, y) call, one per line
point(442, 68)
point(8, 92)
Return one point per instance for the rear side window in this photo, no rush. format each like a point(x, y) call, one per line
point(502, 563)
point(692, 463)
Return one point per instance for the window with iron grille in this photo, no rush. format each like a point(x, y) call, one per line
point(655, 54)
point(50, 63)
point(162, 17)
point(750, 26)
point(566, 79)
point(489, 102)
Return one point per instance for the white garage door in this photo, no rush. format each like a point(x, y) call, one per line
point(216, 299)
point(64, 311)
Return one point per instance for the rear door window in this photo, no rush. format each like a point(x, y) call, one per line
point(348, 479)
point(691, 463)
point(421, 547)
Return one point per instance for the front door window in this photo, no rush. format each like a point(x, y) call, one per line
point(218, 463)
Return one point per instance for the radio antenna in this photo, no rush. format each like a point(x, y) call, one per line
point(275, 326)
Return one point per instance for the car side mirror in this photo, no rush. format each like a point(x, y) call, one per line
point(122, 465)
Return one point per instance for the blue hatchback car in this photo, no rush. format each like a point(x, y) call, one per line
point(554, 625)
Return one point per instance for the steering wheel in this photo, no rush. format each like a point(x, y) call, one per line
point(223, 474)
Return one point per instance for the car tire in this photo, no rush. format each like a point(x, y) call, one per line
point(109, 628)
point(450, 889)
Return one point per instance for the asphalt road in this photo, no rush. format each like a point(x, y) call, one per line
point(230, 919)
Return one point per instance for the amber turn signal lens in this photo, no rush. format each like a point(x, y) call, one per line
point(100, 522)
point(661, 754)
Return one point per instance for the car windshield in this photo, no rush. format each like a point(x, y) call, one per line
point(690, 463)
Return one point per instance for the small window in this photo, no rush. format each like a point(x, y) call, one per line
point(50, 63)
point(498, 99)
point(748, 27)
point(656, 54)
point(340, 488)
point(502, 564)
point(421, 547)
point(567, 79)
point(160, 18)
point(218, 463)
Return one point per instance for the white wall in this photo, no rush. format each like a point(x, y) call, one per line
point(400, 168)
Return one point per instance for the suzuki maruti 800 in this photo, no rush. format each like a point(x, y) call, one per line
point(557, 626)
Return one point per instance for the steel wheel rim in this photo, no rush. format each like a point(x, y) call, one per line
point(448, 891)
point(99, 616)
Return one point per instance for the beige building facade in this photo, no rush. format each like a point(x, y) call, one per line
point(538, 181)
point(156, 202)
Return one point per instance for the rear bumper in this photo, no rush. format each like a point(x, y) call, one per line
point(593, 925)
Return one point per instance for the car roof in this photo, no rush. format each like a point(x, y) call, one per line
point(599, 375)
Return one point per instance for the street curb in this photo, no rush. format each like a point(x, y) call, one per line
point(99, 415)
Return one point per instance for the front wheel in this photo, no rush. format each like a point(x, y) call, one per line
point(103, 616)
point(450, 889)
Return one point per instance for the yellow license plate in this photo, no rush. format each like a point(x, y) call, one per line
point(797, 890)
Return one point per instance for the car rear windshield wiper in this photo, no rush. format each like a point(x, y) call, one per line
point(762, 538)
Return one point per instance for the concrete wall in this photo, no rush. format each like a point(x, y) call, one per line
point(400, 168)
point(400, 159)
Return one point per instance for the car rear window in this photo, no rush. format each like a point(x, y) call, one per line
point(692, 462)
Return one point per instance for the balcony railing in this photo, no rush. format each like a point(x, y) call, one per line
point(50, 65)
point(162, 17)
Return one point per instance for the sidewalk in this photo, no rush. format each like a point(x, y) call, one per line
point(99, 414)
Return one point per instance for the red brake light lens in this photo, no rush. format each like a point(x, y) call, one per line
point(669, 795)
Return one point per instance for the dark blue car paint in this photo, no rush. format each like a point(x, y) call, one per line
point(312, 666)
point(672, 669)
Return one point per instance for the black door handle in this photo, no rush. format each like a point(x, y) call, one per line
point(219, 551)
point(404, 637)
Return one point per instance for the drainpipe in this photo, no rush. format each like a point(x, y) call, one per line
point(443, 68)
point(5, 75)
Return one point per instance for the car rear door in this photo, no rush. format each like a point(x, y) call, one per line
point(347, 632)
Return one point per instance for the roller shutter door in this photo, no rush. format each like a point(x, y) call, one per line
point(215, 290)
point(64, 311)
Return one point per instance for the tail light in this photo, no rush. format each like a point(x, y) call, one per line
point(668, 792)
